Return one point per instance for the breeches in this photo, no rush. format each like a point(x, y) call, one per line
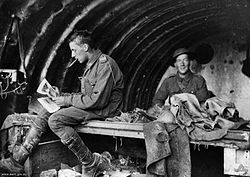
point(63, 121)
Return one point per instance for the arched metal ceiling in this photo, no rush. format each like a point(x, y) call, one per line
point(140, 35)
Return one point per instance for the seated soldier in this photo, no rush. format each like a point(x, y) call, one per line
point(184, 81)
point(100, 97)
point(158, 150)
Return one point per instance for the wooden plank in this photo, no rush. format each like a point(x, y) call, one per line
point(115, 125)
point(215, 143)
point(234, 139)
point(113, 129)
point(112, 132)
point(138, 127)
point(238, 135)
point(138, 175)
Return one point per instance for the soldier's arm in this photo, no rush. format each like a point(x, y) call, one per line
point(101, 91)
point(202, 93)
point(162, 94)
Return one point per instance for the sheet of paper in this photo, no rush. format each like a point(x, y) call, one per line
point(48, 104)
point(46, 89)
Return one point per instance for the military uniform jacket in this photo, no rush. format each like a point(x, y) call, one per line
point(101, 87)
point(192, 83)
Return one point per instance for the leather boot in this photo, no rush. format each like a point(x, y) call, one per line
point(77, 146)
point(14, 164)
point(100, 165)
point(92, 162)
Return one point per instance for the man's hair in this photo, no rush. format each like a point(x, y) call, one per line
point(83, 37)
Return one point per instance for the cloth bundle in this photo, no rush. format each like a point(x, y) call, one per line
point(208, 121)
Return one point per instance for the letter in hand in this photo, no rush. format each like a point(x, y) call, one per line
point(46, 89)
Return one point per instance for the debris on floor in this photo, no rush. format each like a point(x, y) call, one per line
point(125, 166)
point(49, 173)
point(68, 173)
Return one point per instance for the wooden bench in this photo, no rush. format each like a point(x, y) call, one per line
point(236, 139)
point(236, 143)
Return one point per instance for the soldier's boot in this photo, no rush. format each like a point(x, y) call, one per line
point(91, 162)
point(14, 164)
point(100, 165)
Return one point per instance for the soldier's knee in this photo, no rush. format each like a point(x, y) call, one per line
point(54, 121)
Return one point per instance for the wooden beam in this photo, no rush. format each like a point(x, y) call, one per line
point(121, 129)
point(234, 139)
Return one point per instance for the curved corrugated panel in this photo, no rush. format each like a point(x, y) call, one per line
point(140, 35)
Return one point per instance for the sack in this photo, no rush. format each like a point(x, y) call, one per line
point(13, 132)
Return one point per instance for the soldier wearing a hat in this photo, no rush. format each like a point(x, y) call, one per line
point(184, 81)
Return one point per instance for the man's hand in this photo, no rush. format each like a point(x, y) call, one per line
point(59, 101)
point(166, 116)
point(155, 110)
point(53, 92)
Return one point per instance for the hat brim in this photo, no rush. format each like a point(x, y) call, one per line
point(191, 56)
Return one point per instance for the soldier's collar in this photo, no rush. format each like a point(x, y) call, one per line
point(186, 78)
point(97, 53)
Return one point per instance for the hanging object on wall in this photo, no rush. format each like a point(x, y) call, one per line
point(204, 53)
point(246, 63)
point(9, 83)
point(13, 81)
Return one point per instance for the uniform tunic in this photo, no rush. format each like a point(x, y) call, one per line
point(192, 83)
point(101, 87)
point(100, 97)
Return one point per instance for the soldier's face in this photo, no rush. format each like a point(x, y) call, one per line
point(182, 63)
point(78, 52)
